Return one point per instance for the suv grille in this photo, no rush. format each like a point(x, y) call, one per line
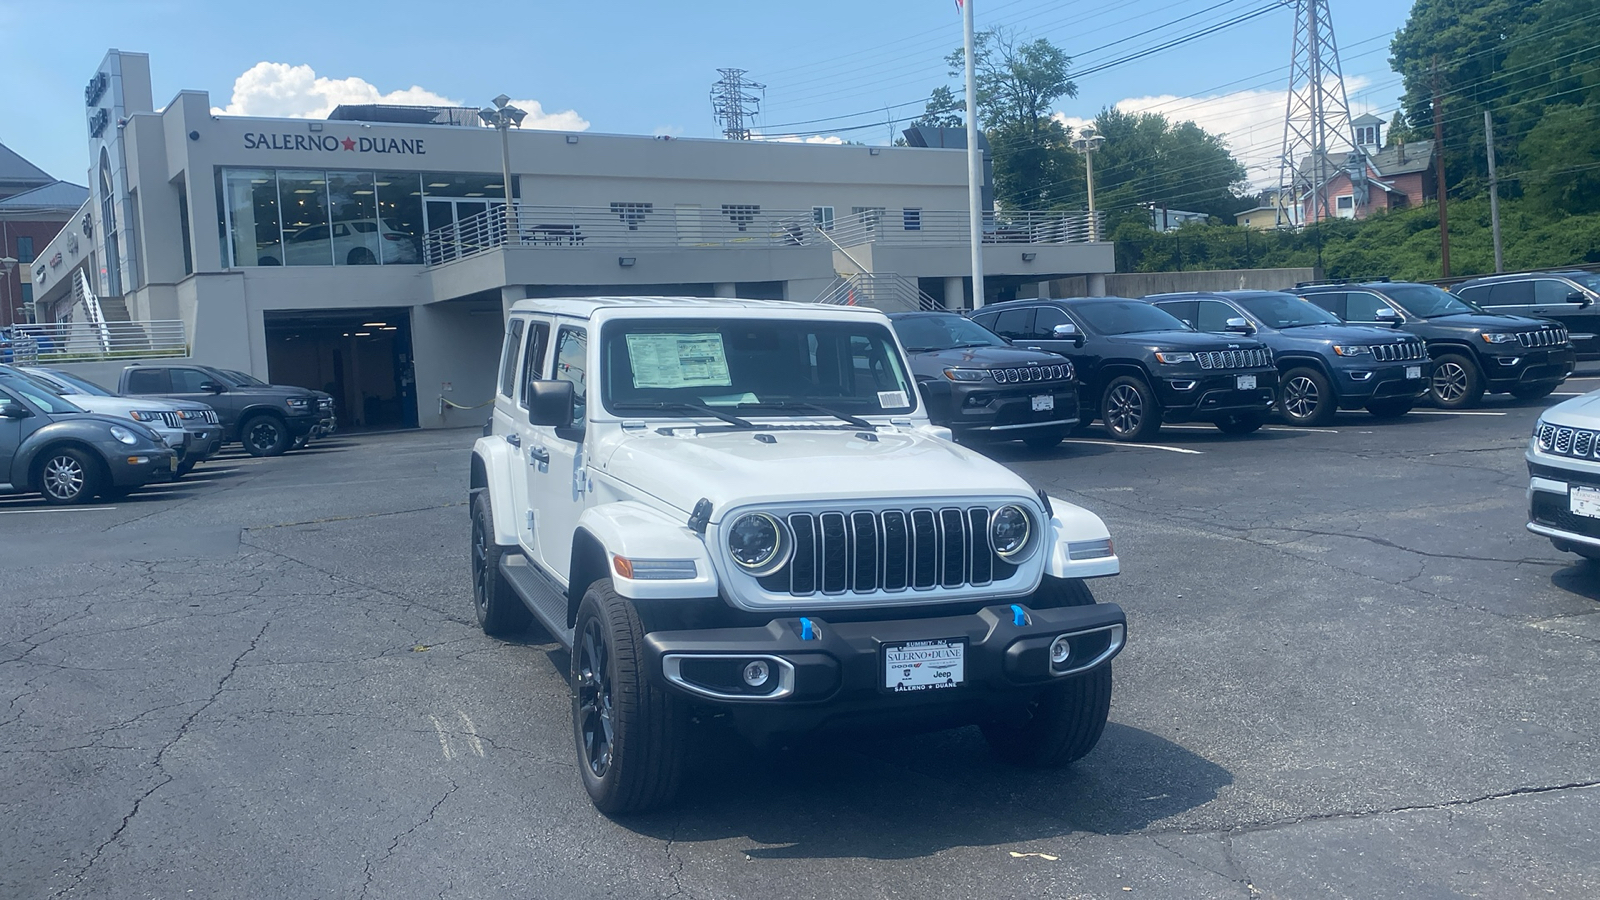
point(1031, 374)
point(1575, 442)
point(866, 551)
point(172, 418)
point(1399, 351)
point(1234, 359)
point(1545, 337)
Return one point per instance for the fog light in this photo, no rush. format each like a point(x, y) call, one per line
point(756, 673)
point(1510, 360)
point(1183, 385)
point(1060, 650)
point(1361, 376)
point(138, 460)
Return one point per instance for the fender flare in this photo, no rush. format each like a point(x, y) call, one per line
point(1075, 530)
point(637, 532)
point(492, 459)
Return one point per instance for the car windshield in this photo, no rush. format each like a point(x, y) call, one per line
point(72, 383)
point(1127, 317)
point(943, 332)
point(754, 366)
point(1427, 301)
point(1590, 280)
point(36, 393)
point(239, 379)
point(1286, 310)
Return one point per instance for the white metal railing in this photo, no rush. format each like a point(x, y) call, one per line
point(884, 291)
point(82, 294)
point(82, 341)
point(935, 226)
point(632, 225)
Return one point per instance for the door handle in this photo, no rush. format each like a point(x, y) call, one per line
point(514, 440)
point(538, 455)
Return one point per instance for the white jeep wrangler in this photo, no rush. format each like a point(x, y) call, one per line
point(740, 507)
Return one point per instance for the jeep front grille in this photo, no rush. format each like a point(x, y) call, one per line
point(1545, 337)
point(1031, 374)
point(1401, 351)
point(866, 551)
point(1234, 359)
point(172, 418)
point(1578, 443)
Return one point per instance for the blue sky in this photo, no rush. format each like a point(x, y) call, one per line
point(625, 66)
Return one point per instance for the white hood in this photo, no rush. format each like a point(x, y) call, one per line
point(733, 467)
point(1579, 412)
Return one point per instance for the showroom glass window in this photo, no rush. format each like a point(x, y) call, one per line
point(251, 197)
point(307, 235)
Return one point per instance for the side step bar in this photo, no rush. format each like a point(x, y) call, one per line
point(545, 598)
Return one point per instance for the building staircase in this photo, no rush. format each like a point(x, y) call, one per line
point(883, 291)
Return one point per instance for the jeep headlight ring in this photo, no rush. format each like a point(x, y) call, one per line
point(759, 543)
point(1010, 530)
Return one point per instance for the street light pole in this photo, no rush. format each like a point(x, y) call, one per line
point(503, 116)
point(974, 156)
point(6, 265)
point(1087, 142)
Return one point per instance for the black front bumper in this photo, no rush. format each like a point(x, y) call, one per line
point(1002, 411)
point(837, 677)
point(1214, 393)
point(1532, 367)
point(135, 467)
point(1383, 381)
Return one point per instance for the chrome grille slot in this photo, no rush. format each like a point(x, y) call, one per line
point(1583, 443)
point(1400, 351)
point(980, 558)
point(1564, 441)
point(835, 554)
point(864, 562)
point(1547, 337)
point(1233, 359)
point(1575, 442)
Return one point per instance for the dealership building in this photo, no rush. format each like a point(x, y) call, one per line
point(370, 254)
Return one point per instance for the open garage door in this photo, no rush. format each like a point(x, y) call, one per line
point(360, 356)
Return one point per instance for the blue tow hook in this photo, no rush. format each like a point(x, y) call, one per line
point(808, 632)
point(1019, 616)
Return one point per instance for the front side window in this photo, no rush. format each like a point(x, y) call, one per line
point(189, 381)
point(508, 357)
point(149, 381)
point(1014, 324)
point(1213, 316)
point(533, 357)
point(1045, 320)
point(1363, 307)
point(749, 366)
point(1551, 291)
point(1286, 311)
point(1427, 301)
point(921, 334)
point(571, 363)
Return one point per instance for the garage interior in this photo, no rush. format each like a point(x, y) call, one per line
point(362, 357)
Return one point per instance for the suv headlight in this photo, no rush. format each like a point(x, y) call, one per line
point(1171, 358)
point(1352, 349)
point(297, 404)
point(1009, 531)
point(1499, 338)
point(965, 374)
point(124, 435)
point(145, 415)
point(759, 543)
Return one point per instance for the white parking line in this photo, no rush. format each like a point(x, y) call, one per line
point(1135, 446)
point(18, 512)
point(1263, 428)
point(1446, 412)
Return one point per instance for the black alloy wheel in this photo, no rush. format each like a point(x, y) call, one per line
point(499, 610)
point(69, 475)
point(1457, 382)
point(264, 435)
point(1129, 410)
point(593, 698)
point(1305, 397)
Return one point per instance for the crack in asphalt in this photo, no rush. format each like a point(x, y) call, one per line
point(409, 602)
point(166, 777)
point(395, 844)
point(378, 515)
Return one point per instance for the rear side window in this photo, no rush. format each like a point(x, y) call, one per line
point(508, 357)
point(149, 381)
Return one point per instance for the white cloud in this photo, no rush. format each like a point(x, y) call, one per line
point(1251, 122)
point(797, 139)
point(297, 92)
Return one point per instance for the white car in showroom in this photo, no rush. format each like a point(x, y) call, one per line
point(357, 242)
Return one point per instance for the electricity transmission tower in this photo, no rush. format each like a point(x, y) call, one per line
point(1318, 119)
point(736, 102)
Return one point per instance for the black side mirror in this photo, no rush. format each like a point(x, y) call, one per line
point(211, 387)
point(1578, 297)
point(11, 409)
point(550, 403)
point(1239, 325)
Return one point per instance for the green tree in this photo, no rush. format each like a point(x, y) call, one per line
point(1561, 159)
point(1147, 160)
point(943, 110)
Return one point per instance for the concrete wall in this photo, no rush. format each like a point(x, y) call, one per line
point(1138, 284)
point(456, 345)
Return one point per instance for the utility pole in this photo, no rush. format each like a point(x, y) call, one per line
point(974, 155)
point(734, 103)
point(1438, 162)
point(1494, 192)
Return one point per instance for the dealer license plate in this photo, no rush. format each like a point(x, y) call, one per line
point(924, 665)
point(1044, 403)
point(172, 463)
point(1245, 382)
point(1585, 501)
point(1413, 372)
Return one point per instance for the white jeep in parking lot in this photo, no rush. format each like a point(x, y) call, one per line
point(740, 507)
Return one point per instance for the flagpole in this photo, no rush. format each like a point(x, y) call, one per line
point(974, 157)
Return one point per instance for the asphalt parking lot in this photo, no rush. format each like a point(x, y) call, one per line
point(1351, 673)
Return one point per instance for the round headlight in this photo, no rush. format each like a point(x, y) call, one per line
point(1009, 531)
point(759, 543)
point(123, 435)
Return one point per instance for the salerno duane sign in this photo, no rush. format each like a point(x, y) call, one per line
point(327, 143)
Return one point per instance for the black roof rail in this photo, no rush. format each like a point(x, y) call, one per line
point(1335, 281)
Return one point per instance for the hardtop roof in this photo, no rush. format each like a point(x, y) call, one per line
point(587, 307)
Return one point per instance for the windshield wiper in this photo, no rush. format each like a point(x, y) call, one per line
point(685, 406)
point(857, 421)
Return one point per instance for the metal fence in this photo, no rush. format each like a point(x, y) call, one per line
point(931, 226)
point(83, 341)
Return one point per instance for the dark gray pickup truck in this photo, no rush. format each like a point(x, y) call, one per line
point(266, 418)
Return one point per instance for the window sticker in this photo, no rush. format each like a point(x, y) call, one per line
point(678, 360)
point(892, 399)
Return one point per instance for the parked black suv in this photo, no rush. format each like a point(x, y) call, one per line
point(977, 385)
point(1473, 351)
point(266, 418)
point(1139, 366)
point(1324, 365)
point(1571, 299)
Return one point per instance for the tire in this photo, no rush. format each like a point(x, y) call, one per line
point(69, 476)
point(300, 442)
point(1128, 409)
point(1533, 392)
point(1305, 397)
point(264, 435)
point(1457, 382)
point(500, 611)
point(630, 734)
point(1065, 720)
point(1045, 440)
point(360, 256)
point(1390, 409)
point(1240, 423)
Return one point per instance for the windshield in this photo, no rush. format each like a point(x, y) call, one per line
point(1285, 310)
point(1427, 301)
point(72, 384)
point(945, 332)
point(37, 394)
point(240, 379)
point(1127, 317)
point(752, 366)
point(1590, 280)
